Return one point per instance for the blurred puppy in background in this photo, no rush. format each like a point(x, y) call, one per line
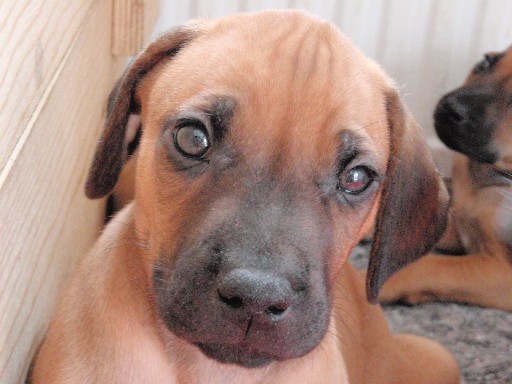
point(476, 121)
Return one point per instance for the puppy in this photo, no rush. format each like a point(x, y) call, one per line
point(269, 146)
point(476, 121)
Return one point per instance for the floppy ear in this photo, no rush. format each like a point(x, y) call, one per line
point(112, 147)
point(414, 200)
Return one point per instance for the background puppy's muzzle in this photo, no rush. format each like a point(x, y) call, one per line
point(464, 123)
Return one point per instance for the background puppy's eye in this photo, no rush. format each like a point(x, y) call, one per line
point(489, 61)
point(355, 180)
point(482, 66)
point(192, 140)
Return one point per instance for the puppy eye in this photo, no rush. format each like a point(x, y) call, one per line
point(191, 139)
point(489, 61)
point(355, 180)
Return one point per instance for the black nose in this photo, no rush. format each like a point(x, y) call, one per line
point(451, 120)
point(256, 292)
point(452, 110)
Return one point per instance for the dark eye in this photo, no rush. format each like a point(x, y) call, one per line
point(355, 180)
point(489, 61)
point(191, 139)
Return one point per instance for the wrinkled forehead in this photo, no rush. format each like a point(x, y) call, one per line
point(506, 69)
point(293, 82)
point(497, 72)
point(506, 63)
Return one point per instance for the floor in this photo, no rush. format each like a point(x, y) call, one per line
point(480, 338)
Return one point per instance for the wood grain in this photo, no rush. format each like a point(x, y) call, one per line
point(49, 136)
point(46, 220)
point(34, 36)
point(132, 21)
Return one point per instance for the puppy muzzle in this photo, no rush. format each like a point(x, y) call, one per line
point(464, 121)
point(253, 289)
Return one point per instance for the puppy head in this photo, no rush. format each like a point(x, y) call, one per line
point(476, 119)
point(269, 146)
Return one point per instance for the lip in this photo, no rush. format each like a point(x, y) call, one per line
point(503, 173)
point(237, 354)
point(483, 154)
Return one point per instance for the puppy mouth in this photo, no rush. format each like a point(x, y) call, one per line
point(506, 174)
point(237, 354)
point(479, 154)
point(468, 136)
point(466, 144)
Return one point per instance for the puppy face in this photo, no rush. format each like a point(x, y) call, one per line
point(263, 182)
point(476, 119)
point(269, 145)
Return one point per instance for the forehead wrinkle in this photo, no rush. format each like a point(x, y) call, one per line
point(504, 65)
point(307, 66)
point(282, 41)
point(507, 69)
point(298, 52)
point(289, 108)
point(300, 57)
point(317, 56)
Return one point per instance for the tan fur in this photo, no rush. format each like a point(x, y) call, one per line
point(479, 223)
point(106, 329)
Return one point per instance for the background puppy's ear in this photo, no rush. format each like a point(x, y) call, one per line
point(414, 200)
point(112, 151)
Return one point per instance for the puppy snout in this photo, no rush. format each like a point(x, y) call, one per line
point(464, 122)
point(255, 292)
point(452, 110)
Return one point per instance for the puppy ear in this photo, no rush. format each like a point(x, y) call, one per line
point(414, 200)
point(112, 147)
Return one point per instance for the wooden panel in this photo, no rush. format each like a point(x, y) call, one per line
point(132, 22)
point(34, 36)
point(47, 224)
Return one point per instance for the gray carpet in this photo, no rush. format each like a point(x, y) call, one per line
point(480, 339)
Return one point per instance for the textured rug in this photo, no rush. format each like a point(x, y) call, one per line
point(480, 338)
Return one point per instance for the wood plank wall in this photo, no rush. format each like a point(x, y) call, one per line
point(428, 46)
point(56, 69)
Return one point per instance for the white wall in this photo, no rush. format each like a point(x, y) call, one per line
point(427, 46)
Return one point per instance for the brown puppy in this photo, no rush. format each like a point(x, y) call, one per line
point(475, 120)
point(269, 146)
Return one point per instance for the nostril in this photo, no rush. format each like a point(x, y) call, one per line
point(233, 302)
point(452, 110)
point(455, 117)
point(277, 312)
point(273, 310)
